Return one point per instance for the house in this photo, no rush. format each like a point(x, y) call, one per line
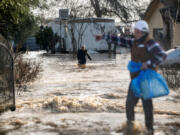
point(163, 17)
point(81, 31)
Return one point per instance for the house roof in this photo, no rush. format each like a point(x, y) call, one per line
point(84, 20)
point(90, 20)
point(152, 6)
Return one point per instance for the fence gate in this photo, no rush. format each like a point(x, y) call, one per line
point(7, 93)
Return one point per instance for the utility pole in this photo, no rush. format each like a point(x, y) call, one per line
point(63, 15)
point(60, 43)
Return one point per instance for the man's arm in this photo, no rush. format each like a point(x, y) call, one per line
point(89, 57)
point(117, 40)
point(158, 54)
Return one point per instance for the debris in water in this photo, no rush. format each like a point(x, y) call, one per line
point(18, 122)
point(134, 128)
point(75, 104)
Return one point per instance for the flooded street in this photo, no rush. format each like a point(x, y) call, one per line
point(69, 100)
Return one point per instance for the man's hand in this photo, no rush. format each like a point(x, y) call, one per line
point(144, 66)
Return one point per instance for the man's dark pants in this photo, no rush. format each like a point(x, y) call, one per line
point(147, 106)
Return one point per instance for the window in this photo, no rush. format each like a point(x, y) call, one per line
point(158, 33)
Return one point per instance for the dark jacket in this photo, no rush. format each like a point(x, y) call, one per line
point(142, 50)
point(139, 53)
point(81, 56)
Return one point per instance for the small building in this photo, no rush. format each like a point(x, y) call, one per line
point(81, 31)
point(157, 24)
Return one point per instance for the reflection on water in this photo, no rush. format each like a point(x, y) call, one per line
point(69, 100)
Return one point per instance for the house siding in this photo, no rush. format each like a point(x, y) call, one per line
point(155, 21)
point(90, 28)
point(176, 41)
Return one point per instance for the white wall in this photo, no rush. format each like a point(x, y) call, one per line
point(88, 38)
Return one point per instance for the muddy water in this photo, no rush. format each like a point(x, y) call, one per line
point(68, 100)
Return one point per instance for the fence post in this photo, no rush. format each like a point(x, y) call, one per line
point(7, 90)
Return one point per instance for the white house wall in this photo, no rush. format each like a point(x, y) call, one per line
point(88, 38)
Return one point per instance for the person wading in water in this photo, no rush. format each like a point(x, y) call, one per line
point(81, 55)
point(145, 50)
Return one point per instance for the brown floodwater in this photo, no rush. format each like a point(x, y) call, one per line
point(69, 100)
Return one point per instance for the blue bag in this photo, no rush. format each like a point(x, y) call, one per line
point(149, 84)
point(134, 66)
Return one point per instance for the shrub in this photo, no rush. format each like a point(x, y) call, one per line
point(172, 75)
point(26, 71)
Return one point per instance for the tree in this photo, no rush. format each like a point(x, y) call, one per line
point(80, 30)
point(73, 39)
point(47, 39)
point(98, 9)
point(77, 7)
point(170, 17)
point(26, 28)
point(127, 11)
point(14, 13)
